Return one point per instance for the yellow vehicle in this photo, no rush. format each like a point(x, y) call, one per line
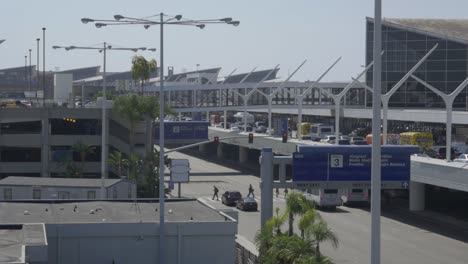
point(305, 128)
point(422, 139)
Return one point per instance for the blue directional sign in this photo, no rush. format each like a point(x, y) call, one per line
point(182, 132)
point(350, 166)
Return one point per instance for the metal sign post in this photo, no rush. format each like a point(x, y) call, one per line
point(180, 169)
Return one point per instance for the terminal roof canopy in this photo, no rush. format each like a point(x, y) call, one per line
point(453, 29)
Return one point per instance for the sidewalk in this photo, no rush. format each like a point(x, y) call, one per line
point(437, 218)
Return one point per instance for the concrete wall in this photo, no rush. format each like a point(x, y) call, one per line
point(48, 192)
point(186, 242)
point(123, 190)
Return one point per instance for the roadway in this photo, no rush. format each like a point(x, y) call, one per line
point(406, 237)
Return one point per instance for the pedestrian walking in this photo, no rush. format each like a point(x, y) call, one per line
point(251, 191)
point(277, 192)
point(285, 193)
point(215, 193)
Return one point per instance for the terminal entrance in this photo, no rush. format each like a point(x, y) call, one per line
point(447, 201)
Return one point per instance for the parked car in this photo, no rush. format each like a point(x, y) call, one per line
point(231, 197)
point(440, 152)
point(260, 129)
point(358, 141)
point(243, 128)
point(327, 139)
point(234, 129)
point(462, 158)
point(247, 204)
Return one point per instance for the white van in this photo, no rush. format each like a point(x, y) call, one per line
point(318, 131)
point(355, 196)
point(324, 198)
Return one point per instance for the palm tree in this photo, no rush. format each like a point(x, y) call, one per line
point(83, 150)
point(294, 206)
point(141, 69)
point(277, 221)
point(134, 164)
point(149, 109)
point(287, 249)
point(117, 160)
point(307, 220)
point(263, 240)
point(322, 233)
point(127, 106)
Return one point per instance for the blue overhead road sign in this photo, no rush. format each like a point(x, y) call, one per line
point(350, 166)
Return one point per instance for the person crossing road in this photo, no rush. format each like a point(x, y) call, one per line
point(215, 193)
point(251, 191)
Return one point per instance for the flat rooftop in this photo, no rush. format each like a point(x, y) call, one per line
point(50, 212)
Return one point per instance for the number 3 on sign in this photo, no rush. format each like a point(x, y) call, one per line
point(336, 161)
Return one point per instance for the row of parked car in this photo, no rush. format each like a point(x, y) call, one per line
point(344, 140)
point(458, 153)
point(242, 203)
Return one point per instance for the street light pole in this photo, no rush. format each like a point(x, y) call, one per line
point(103, 126)
point(104, 136)
point(176, 20)
point(37, 69)
point(376, 148)
point(30, 71)
point(161, 145)
point(43, 68)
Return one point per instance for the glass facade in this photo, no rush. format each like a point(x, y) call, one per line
point(445, 69)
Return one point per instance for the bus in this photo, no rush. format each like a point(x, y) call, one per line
point(422, 139)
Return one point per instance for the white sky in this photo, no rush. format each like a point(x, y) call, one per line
point(271, 32)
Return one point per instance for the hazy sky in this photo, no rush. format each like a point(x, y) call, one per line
point(271, 32)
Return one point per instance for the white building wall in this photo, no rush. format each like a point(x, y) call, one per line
point(139, 242)
point(63, 87)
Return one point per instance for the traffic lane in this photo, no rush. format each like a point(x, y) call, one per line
point(205, 175)
point(248, 221)
point(400, 243)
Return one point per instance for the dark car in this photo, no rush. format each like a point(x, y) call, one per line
point(440, 152)
point(358, 141)
point(231, 197)
point(247, 204)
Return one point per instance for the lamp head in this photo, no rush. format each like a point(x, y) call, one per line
point(201, 26)
point(70, 48)
point(147, 26)
point(56, 47)
point(234, 23)
point(118, 17)
point(100, 25)
point(178, 17)
point(153, 49)
point(226, 19)
point(109, 47)
point(86, 20)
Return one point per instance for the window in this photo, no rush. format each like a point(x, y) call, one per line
point(329, 191)
point(91, 195)
point(64, 195)
point(36, 194)
point(7, 194)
